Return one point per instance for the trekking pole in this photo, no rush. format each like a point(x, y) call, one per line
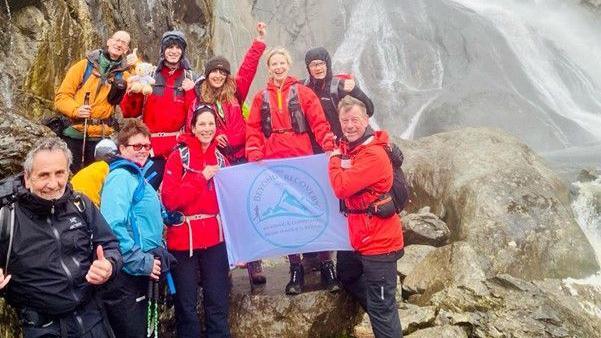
point(86, 102)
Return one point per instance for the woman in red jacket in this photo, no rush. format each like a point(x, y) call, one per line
point(197, 243)
point(227, 93)
point(281, 117)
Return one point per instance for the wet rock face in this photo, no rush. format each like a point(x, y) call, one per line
point(41, 39)
point(18, 135)
point(496, 194)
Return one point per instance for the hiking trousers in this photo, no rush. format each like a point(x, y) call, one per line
point(213, 267)
point(125, 303)
point(76, 147)
point(373, 284)
point(86, 322)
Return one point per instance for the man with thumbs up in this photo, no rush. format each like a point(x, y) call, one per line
point(59, 250)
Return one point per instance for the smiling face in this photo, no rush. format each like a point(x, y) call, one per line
point(318, 69)
point(118, 44)
point(354, 121)
point(173, 54)
point(278, 67)
point(217, 78)
point(137, 149)
point(204, 128)
point(49, 174)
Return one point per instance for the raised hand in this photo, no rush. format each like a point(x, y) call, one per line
point(261, 30)
point(101, 269)
point(349, 85)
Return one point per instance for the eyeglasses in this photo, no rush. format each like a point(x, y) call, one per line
point(139, 146)
point(122, 42)
point(317, 64)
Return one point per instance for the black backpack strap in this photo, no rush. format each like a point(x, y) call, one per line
point(266, 126)
point(81, 206)
point(7, 230)
point(334, 97)
point(297, 116)
point(184, 154)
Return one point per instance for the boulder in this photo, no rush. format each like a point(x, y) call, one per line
point(18, 135)
point(445, 331)
point(426, 228)
point(414, 254)
point(268, 312)
point(496, 194)
point(518, 308)
point(454, 264)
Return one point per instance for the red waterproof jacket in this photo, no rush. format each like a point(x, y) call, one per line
point(233, 124)
point(368, 176)
point(164, 111)
point(187, 191)
point(284, 142)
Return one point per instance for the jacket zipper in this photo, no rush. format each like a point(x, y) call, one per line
point(64, 266)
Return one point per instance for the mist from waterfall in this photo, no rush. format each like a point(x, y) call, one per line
point(528, 67)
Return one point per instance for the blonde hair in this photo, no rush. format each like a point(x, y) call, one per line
point(225, 93)
point(281, 51)
point(348, 102)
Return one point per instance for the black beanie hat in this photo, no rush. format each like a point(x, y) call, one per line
point(173, 37)
point(217, 62)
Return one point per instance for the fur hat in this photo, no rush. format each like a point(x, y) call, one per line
point(217, 62)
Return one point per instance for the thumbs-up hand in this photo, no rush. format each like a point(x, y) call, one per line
point(101, 269)
point(3, 280)
point(349, 85)
point(132, 59)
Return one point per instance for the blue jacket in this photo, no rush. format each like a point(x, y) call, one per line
point(116, 201)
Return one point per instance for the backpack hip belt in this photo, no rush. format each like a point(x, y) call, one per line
point(199, 216)
point(108, 121)
point(282, 131)
point(165, 134)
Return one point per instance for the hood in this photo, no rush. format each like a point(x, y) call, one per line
point(379, 137)
point(319, 53)
point(179, 38)
point(290, 80)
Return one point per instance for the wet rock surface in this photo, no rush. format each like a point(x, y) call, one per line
point(496, 194)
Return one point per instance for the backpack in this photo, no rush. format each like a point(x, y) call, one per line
point(399, 190)
point(184, 154)
point(396, 198)
point(297, 116)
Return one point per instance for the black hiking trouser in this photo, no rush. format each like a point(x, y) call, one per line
point(373, 283)
point(86, 322)
point(125, 303)
point(213, 266)
point(76, 147)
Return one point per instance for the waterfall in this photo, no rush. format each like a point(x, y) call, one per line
point(587, 209)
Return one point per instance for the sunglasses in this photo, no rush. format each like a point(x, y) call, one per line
point(139, 146)
point(204, 106)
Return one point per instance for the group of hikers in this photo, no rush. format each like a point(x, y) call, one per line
point(86, 256)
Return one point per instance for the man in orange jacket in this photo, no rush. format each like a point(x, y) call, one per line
point(88, 94)
point(361, 175)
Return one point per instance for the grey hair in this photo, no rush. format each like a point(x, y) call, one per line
point(46, 144)
point(348, 102)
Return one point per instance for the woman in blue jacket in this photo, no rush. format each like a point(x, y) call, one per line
point(132, 208)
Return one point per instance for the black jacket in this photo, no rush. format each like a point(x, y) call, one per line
point(53, 248)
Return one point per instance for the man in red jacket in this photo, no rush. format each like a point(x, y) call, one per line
point(361, 174)
point(164, 110)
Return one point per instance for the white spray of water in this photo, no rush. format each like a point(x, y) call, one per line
point(535, 30)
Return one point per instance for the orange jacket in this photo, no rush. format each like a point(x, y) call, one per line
point(368, 176)
point(70, 94)
point(286, 144)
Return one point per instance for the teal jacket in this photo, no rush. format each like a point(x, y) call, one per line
point(116, 207)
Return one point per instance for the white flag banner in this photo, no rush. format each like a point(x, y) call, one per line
point(279, 207)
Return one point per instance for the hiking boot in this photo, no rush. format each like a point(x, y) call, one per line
point(255, 273)
point(328, 276)
point(297, 279)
